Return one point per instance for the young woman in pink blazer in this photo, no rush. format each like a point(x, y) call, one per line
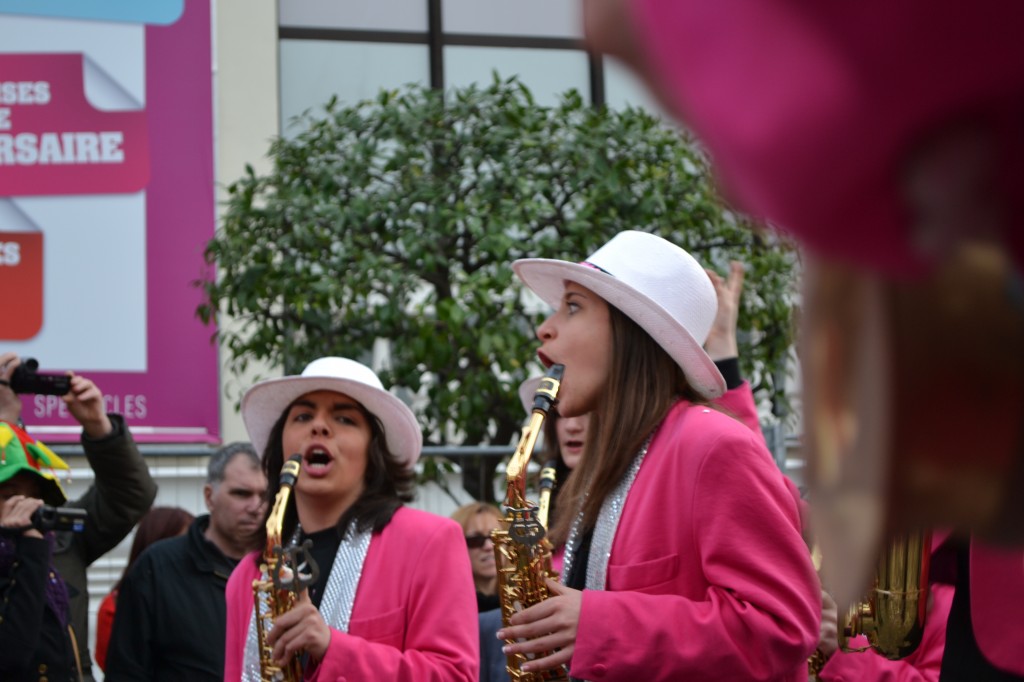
point(395, 598)
point(684, 555)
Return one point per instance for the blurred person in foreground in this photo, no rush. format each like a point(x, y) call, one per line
point(889, 139)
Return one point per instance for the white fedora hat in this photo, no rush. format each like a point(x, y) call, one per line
point(264, 403)
point(527, 390)
point(652, 281)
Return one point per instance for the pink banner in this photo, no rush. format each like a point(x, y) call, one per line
point(109, 188)
point(52, 140)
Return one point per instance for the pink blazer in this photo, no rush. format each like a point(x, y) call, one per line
point(739, 403)
point(414, 616)
point(708, 576)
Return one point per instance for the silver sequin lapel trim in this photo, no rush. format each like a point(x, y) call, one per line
point(336, 604)
point(604, 529)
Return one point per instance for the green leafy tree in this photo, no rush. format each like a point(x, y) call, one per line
point(397, 219)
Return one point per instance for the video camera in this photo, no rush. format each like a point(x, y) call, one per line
point(59, 518)
point(26, 379)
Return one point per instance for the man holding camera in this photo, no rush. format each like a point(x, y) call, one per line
point(121, 493)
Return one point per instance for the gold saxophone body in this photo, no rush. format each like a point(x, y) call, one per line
point(892, 615)
point(521, 550)
point(893, 611)
point(277, 592)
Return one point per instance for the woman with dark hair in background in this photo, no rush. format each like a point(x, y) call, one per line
point(158, 523)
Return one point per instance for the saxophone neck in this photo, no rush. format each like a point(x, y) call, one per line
point(543, 400)
point(516, 470)
point(548, 478)
point(275, 521)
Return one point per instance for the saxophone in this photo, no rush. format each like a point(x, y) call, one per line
point(548, 478)
point(281, 579)
point(521, 550)
point(892, 616)
point(893, 612)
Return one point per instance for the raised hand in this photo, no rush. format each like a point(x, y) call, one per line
point(721, 343)
point(10, 403)
point(85, 402)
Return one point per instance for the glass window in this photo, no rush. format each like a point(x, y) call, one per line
point(547, 18)
point(366, 15)
point(547, 73)
point(623, 88)
point(312, 71)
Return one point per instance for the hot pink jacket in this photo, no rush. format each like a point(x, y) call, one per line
point(739, 403)
point(708, 576)
point(414, 616)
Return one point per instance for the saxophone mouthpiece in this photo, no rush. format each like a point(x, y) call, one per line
point(544, 398)
point(548, 475)
point(290, 470)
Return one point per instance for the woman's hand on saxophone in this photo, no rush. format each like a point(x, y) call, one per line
point(301, 629)
point(548, 626)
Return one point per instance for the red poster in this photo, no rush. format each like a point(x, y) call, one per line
point(21, 280)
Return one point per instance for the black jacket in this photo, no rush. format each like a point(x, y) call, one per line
point(121, 493)
point(171, 614)
point(34, 645)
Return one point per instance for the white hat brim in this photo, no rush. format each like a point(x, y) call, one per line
point(547, 278)
point(265, 402)
point(527, 390)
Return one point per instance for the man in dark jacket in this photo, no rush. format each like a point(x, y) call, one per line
point(121, 493)
point(171, 614)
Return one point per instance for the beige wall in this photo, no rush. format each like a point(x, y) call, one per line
point(245, 81)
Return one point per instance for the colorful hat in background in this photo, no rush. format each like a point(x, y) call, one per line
point(19, 452)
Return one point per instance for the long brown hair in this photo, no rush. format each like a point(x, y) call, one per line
point(642, 385)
